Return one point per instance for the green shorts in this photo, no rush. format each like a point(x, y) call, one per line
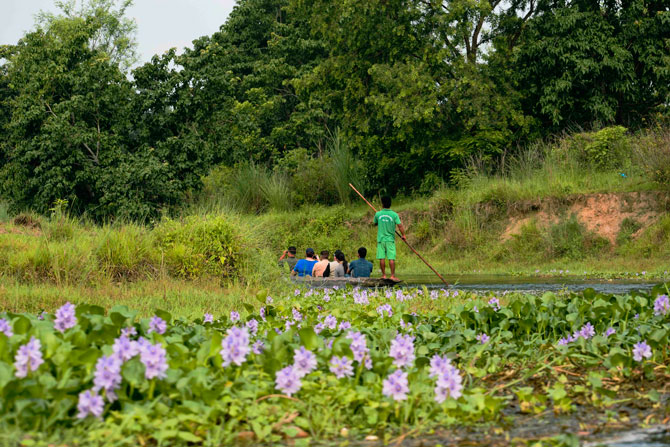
point(386, 250)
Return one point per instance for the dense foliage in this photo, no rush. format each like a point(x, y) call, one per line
point(416, 87)
point(317, 362)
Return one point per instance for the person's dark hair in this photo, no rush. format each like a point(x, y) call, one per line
point(292, 250)
point(339, 256)
point(309, 253)
point(362, 252)
point(325, 253)
point(386, 201)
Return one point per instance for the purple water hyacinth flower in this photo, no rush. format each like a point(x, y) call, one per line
point(637, 316)
point(388, 293)
point(28, 357)
point(361, 298)
point(125, 349)
point(587, 331)
point(288, 324)
point(252, 326)
point(563, 341)
point(494, 303)
point(129, 331)
point(475, 308)
point(65, 318)
point(402, 350)
point(385, 308)
point(287, 381)
point(433, 295)
point(341, 366)
point(330, 322)
point(329, 343)
point(609, 331)
point(304, 362)
point(297, 316)
point(261, 312)
point(235, 346)
point(269, 300)
point(483, 338)
point(42, 315)
point(309, 293)
point(400, 295)
point(155, 361)
point(258, 347)
point(6, 328)
point(209, 318)
point(358, 345)
point(641, 350)
point(368, 362)
point(297, 292)
point(406, 326)
point(89, 404)
point(449, 384)
point(319, 327)
point(344, 325)
point(234, 316)
point(662, 305)
point(277, 330)
point(107, 375)
point(326, 298)
point(396, 385)
point(157, 325)
point(438, 364)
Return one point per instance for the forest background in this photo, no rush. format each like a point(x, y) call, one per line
point(292, 99)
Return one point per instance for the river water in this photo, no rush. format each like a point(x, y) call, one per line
point(649, 437)
point(527, 284)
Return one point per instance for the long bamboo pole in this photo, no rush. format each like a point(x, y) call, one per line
point(405, 240)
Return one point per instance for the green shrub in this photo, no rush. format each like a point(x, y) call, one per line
point(569, 239)
point(629, 226)
point(198, 246)
point(604, 149)
point(652, 152)
point(654, 241)
point(529, 244)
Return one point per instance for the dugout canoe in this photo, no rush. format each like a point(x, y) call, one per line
point(340, 282)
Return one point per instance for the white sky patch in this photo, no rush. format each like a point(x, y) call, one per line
point(162, 24)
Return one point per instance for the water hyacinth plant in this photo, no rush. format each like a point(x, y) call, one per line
point(376, 364)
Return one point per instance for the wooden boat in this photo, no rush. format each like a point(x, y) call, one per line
point(341, 282)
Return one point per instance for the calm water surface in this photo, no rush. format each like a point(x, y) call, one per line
point(527, 284)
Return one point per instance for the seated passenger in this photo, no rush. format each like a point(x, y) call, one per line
point(288, 259)
point(361, 267)
point(304, 266)
point(337, 266)
point(345, 264)
point(322, 268)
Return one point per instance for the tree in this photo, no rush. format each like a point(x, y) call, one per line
point(584, 62)
point(114, 32)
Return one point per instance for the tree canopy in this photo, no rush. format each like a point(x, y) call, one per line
point(415, 87)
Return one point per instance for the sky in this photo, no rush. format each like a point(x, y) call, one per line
point(161, 24)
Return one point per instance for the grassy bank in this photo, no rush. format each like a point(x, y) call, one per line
point(587, 204)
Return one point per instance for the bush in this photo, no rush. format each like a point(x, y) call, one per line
point(200, 246)
point(607, 148)
point(629, 226)
point(569, 239)
point(652, 151)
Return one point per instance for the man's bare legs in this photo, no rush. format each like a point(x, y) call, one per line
point(382, 265)
point(392, 264)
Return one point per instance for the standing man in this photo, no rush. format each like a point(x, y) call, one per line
point(386, 221)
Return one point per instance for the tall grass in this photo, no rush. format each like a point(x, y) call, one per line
point(276, 190)
point(346, 168)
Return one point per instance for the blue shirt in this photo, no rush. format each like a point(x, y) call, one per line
point(304, 267)
point(360, 268)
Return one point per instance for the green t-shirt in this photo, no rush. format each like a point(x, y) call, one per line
point(386, 221)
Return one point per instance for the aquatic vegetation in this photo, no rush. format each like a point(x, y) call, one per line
point(414, 358)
